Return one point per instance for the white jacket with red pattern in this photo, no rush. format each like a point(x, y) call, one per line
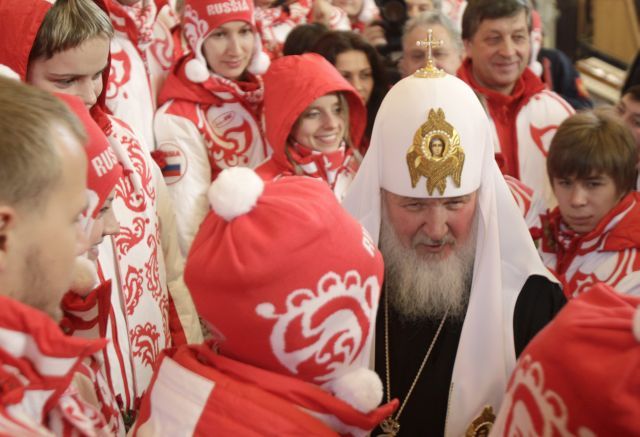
point(200, 130)
point(50, 383)
point(142, 52)
point(149, 294)
point(524, 124)
point(610, 253)
point(150, 303)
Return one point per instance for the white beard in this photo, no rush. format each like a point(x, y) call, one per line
point(425, 286)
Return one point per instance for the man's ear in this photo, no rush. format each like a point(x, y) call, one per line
point(467, 48)
point(7, 223)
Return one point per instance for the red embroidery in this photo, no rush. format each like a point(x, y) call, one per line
point(231, 147)
point(133, 289)
point(119, 75)
point(162, 50)
point(144, 342)
point(538, 133)
point(151, 267)
point(130, 237)
point(136, 154)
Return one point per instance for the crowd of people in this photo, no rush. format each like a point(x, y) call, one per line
point(313, 218)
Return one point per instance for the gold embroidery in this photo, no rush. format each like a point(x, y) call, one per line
point(436, 153)
point(481, 425)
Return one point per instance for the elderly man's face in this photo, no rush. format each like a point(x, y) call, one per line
point(432, 227)
point(447, 57)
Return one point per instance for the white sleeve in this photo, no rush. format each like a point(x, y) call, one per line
point(187, 172)
point(174, 262)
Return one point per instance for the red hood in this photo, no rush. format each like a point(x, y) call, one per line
point(291, 84)
point(20, 21)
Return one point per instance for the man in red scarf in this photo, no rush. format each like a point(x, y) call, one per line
point(49, 379)
point(496, 35)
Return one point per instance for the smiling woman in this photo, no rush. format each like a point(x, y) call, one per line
point(210, 106)
point(324, 119)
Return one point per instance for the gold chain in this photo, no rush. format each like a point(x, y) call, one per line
point(391, 425)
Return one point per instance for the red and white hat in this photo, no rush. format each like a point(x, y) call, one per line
point(103, 169)
point(201, 17)
point(289, 282)
point(581, 375)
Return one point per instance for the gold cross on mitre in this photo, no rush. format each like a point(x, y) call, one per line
point(430, 70)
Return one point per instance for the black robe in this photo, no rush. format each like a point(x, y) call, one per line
point(426, 410)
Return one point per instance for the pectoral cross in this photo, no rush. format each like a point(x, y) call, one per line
point(430, 70)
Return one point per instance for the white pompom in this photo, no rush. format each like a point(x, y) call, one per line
point(8, 73)
point(197, 71)
point(235, 192)
point(85, 276)
point(636, 324)
point(260, 61)
point(360, 388)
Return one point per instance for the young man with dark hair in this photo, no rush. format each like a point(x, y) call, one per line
point(593, 235)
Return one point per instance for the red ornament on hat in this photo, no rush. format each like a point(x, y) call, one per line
point(289, 281)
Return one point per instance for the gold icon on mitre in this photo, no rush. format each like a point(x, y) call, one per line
point(435, 153)
point(430, 70)
point(481, 425)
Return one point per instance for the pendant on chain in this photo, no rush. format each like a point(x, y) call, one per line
point(390, 427)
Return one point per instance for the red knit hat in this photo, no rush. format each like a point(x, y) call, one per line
point(289, 281)
point(581, 374)
point(103, 168)
point(201, 17)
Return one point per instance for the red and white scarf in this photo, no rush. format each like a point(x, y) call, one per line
point(328, 166)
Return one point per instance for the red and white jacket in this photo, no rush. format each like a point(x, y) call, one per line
point(142, 52)
point(201, 129)
point(150, 306)
point(51, 383)
point(275, 23)
point(198, 392)
point(300, 80)
point(524, 124)
point(609, 254)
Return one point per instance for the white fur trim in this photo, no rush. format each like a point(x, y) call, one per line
point(85, 276)
point(636, 324)
point(8, 72)
point(235, 192)
point(361, 388)
point(197, 71)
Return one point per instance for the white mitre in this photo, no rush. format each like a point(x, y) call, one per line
point(505, 253)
